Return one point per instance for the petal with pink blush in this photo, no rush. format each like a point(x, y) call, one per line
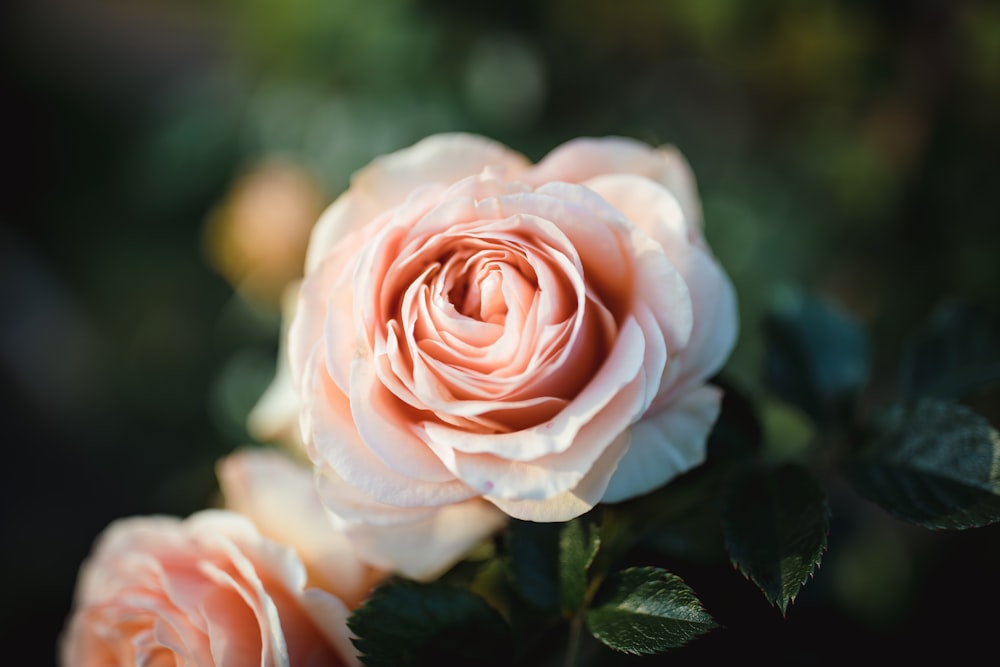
point(441, 158)
point(306, 331)
point(656, 281)
point(280, 497)
point(647, 205)
point(336, 443)
point(386, 424)
point(655, 211)
point(344, 216)
point(346, 504)
point(330, 616)
point(581, 159)
point(666, 444)
point(569, 504)
point(275, 416)
point(425, 549)
point(562, 432)
point(553, 475)
point(716, 329)
point(419, 543)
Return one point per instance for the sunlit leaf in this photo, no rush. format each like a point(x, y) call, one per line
point(647, 610)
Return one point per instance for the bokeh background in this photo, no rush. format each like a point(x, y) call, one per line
point(163, 160)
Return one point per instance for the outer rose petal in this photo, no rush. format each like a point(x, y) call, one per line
point(280, 498)
point(570, 504)
point(418, 543)
point(334, 443)
point(581, 159)
point(275, 416)
point(656, 211)
point(386, 182)
point(666, 444)
point(208, 590)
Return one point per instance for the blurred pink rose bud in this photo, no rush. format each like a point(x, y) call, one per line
point(256, 237)
point(209, 591)
point(471, 326)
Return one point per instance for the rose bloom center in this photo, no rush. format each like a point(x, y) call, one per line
point(491, 332)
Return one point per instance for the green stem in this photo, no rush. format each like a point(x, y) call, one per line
point(573, 647)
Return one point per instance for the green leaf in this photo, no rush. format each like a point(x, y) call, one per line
point(578, 545)
point(408, 623)
point(933, 463)
point(816, 356)
point(956, 353)
point(645, 610)
point(775, 524)
point(533, 559)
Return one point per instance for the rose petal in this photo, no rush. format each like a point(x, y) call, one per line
point(570, 504)
point(418, 543)
point(563, 432)
point(441, 158)
point(275, 416)
point(279, 496)
point(386, 182)
point(656, 283)
point(655, 210)
point(335, 443)
point(581, 159)
point(330, 616)
point(666, 444)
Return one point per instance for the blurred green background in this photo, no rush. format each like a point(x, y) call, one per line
point(848, 146)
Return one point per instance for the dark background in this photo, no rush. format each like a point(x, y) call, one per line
point(847, 146)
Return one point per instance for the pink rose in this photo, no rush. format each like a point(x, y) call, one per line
point(207, 591)
point(472, 326)
point(281, 497)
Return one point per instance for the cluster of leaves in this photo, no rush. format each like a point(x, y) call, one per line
point(545, 589)
point(547, 582)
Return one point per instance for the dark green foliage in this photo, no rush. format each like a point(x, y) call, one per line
point(957, 352)
point(578, 545)
point(407, 623)
point(647, 610)
point(737, 434)
point(533, 558)
point(816, 356)
point(934, 463)
point(775, 525)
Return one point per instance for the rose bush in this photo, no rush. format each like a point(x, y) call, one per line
point(208, 591)
point(538, 336)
